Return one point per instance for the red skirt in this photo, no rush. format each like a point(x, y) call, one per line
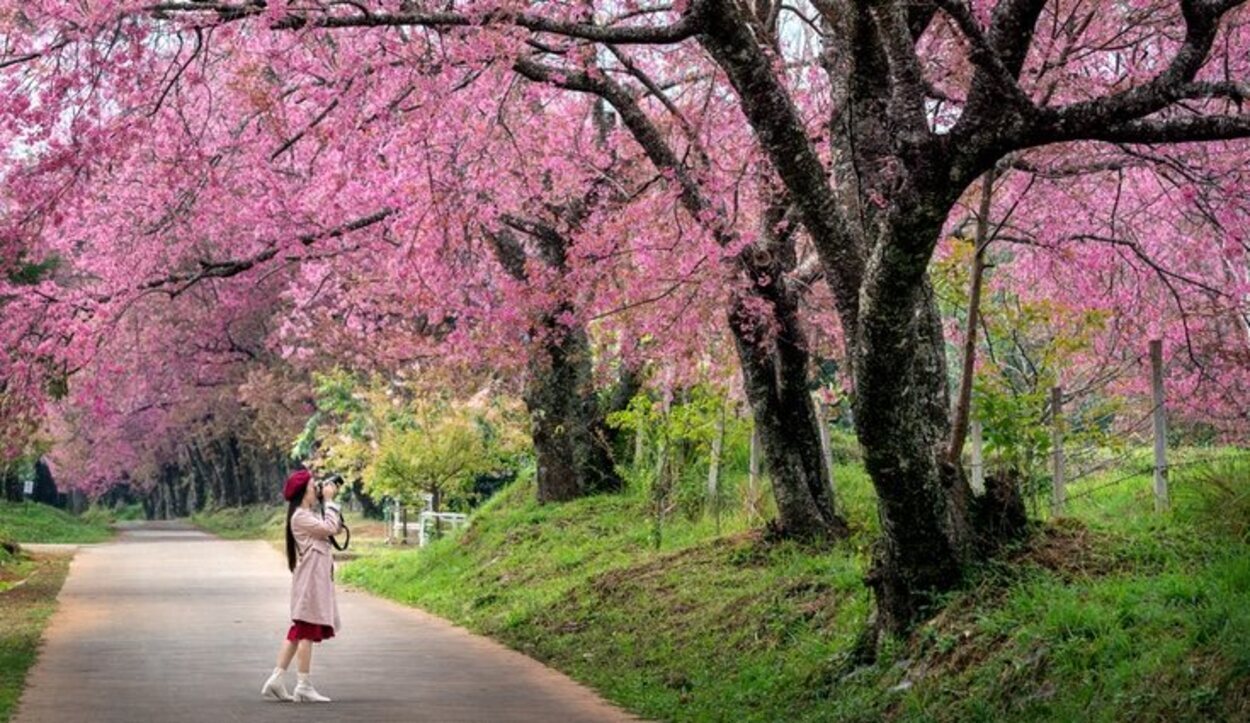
point(301, 630)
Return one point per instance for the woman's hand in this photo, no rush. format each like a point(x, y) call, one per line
point(328, 490)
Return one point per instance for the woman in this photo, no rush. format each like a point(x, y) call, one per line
point(314, 613)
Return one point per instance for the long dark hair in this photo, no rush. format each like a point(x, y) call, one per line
point(290, 536)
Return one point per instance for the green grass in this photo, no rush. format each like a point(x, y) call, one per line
point(35, 522)
point(24, 611)
point(109, 515)
point(255, 522)
point(1113, 613)
point(266, 522)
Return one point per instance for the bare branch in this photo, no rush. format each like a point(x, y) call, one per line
point(684, 28)
point(1202, 23)
point(234, 267)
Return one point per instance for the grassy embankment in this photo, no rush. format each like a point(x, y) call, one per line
point(1113, 613)
point(265, 522)
point(34, 522)
point(255, 522)
point(29, 584)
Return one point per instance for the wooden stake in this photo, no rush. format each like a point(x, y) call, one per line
point(1060, 494)
point(826, 449)
point(978, 463)
point(713, 470)
point(1161, 426)
point(753, 478)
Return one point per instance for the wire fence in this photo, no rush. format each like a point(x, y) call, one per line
point(1241, 455)
point(1085, 461)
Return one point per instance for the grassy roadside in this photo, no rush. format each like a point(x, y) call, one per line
point(1114, 613)
point(24, 610)
point(255, 522)
point(35, 522)
point(266, 522)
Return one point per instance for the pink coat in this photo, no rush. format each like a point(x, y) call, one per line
point(312, 588)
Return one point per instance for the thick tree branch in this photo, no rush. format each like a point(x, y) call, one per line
point(684, 28)
point(552, 245)
point(783, 136)
point(509, 252)
point(907, 85)
point(658, 93)
point(1202, 24)
point(994, 79)
point(234, 267)
point(632, 115)
point(1011, 32)
point(1194, 129)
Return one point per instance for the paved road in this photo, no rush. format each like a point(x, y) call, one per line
point(170, 624)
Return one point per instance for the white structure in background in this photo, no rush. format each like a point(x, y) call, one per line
point(426, 521)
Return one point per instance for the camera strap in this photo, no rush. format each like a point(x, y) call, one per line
point(342, 523)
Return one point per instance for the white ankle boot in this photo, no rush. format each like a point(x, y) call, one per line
point(275, 687)
point(306, 693)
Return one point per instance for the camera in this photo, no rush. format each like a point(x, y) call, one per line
point(337, 481)
point(333, 479)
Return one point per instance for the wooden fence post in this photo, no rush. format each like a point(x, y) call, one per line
point(826, 448)
point(1059, 493)
point(1161, 426)
point(713, 470)
point(753, 477)
point(978, 463)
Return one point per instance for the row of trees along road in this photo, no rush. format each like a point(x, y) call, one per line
point(236, 192)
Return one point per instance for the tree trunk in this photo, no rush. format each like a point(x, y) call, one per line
point(930, 527)
point(162, 497)
point(570, 439)
point(571, 442)
point(12, 485)
point(368, 506)
point(168, 481)
point(628, 385)
point(45, 486)
point(436, 505)
point(225, 465)
point(775, 376)
point(875, 246)
point(713, 469)
point(198, 483)
point(753, 478)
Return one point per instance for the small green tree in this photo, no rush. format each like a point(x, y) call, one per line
point(401, 439)
point(681, 438)
point(439, 451)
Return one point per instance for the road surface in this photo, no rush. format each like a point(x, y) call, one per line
point(170, 624)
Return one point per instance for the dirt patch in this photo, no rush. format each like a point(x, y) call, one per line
point(1070, 549)
point(1236, 701)
point(747, 549)
point(32, 580)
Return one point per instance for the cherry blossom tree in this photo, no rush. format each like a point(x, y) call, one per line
point(857, 126)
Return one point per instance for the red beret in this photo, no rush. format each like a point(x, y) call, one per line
point(296, 483)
